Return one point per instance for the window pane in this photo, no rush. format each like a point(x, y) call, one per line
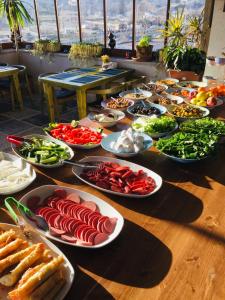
point(119, 21)
point(150, 17)
point(47, 21)
point(92, 20)
point(4, 32)
point(68, 21)
point(29, 32)
point(193, 7)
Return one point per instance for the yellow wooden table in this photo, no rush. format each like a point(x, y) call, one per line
point(14, 73)
point(79, 80)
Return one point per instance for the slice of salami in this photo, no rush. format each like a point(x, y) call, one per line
point(73, 197)
point(57, 221)
point(55, 231)
point(68, 238)
point(60, 193)
point(100, 238)
point(92, 237)
point(89, 204)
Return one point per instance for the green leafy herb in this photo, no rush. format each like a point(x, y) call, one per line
point(188, 145)
point(205, 125)
point(154, 125)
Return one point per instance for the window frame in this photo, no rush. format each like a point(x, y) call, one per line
point(115, 52)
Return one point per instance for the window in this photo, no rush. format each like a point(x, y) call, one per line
point(193, 7)
point(68, 21)
point(92, 27)
point(29, 31)
point(47, 20)
point(5, 32)
point(150, 17)
point(119, 14)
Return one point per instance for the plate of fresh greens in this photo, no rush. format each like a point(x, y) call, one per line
point(43, 151)
point(155, 127)
point(187, 147)
point(206, 125)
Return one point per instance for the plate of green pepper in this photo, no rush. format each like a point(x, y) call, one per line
point(44, 151)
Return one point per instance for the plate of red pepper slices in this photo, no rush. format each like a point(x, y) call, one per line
point(75, 135)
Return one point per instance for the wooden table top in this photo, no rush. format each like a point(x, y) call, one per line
point(172, 244)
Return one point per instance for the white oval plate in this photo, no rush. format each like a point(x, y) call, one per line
point(219, 103)
point(158, 179)
point(206, 112)
point(105, 209)
point(196, 83)
point(146, 94)
point(21, 164)
point(68, 270)
point(87, 146)
point(119, 114)
point(47, 138)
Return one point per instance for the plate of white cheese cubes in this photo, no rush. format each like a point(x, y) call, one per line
point(127, 143)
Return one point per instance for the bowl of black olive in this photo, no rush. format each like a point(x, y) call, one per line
point(146, 109)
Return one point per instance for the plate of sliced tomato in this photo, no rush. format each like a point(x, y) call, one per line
point(76, 135)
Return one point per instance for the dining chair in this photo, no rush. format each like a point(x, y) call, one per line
point(7, 87)
point(24, 80)
point(61, 96)
point(108, 90)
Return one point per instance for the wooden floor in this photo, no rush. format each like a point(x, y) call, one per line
point(173, 243)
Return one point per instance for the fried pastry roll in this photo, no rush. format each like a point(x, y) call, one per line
point(15, 258)
point(8, 248)
point(24, 291)
point(11, 278)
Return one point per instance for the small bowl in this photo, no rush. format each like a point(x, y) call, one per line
point(47, 138)
point(146, 94)
point(162, 109)
point(118, 114)
point(148, 142)
point(153, 90)
point(104, 105)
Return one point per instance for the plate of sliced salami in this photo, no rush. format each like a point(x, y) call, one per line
point(74, 217)
point(119, 177)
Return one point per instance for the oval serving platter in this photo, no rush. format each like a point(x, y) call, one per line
point(105, 209)
point(158, 179)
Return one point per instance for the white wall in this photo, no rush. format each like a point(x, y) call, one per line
point(217, 40)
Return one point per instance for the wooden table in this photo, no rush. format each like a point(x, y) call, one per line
point(172, 243)
point(73, 81)
point(14, 73)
